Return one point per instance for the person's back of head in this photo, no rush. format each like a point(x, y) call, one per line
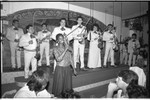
point(129, 77)
point(38, 81)
point(70, 94)
point(140, 62)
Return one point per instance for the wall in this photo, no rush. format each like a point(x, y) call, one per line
point(11, 7)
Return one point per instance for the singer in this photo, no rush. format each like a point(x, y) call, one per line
point(62, 79)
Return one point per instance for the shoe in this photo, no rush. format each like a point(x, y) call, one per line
point(47, 65)
point(113, 66)
point(13, 69)
point(84, 69)
point(21, 68)
point(100, 67)
point(104, 66)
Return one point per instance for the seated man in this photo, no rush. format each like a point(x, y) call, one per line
point(125, 78)
point(35, 87)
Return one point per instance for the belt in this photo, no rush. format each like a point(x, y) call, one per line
point(33, 50)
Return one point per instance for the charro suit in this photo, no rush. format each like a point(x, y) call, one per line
point(12, 34)
point(132, 44)
point(44, 46)
point(78, 49)
point(109, 47)
point(29, 53)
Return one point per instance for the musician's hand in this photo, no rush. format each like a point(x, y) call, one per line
point(65, 40)
point(67, 47)
point(31, 42)
point(16, 40)
point(112, 86)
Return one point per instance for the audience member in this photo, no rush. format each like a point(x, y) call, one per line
point(35, 87)
point(138, 69)
point(125, 79)
point(70, 94)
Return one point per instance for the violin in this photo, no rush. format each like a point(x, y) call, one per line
point(100, 41)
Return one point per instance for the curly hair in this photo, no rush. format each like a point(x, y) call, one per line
point(137, 91)
point(129, 76)
point(70, 94)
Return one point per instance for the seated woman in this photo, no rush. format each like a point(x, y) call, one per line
point(62, 79)
point(35, 87)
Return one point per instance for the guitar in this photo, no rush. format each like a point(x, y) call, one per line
point(100, 42)
point(82, 39)
point(40, 41)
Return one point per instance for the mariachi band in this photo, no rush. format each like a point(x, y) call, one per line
point(34, 45)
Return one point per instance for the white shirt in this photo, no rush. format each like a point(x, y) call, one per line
point(14, 34)
point(141, 75)
point(24, 42)
point(42, 35)
point(24, 92)
point(107, 37)
point(132, 44)
point(58, 30)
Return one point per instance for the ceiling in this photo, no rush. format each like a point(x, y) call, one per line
point(121, 9)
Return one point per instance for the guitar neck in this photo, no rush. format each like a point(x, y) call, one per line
point(45, 37)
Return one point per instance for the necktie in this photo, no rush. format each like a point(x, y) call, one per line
point(95, 32)
point(110, 32)
point(133, 40)
point(15, 28)
point(62, 28)
point(32, 36)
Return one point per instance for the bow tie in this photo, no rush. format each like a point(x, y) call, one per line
point(95, 32)
point(32, 36)
point(133, 40)
point(15, 28)
point(44, 31)
point(62, 28)
point(80, 26)
point(110, 32)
